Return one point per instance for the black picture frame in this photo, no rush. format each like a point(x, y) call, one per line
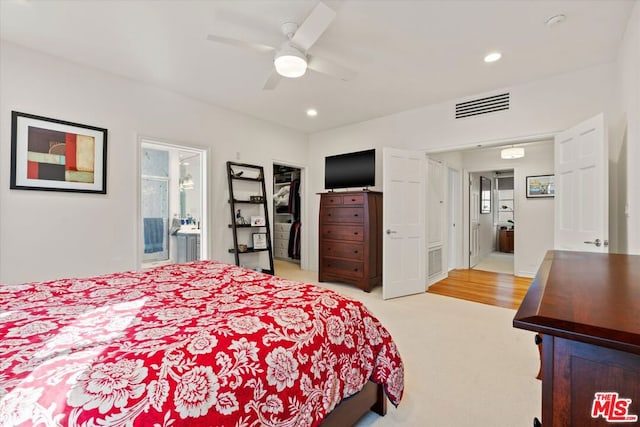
point(259, 241)
point(485, 195)
point(540, 186)
point(57, 155)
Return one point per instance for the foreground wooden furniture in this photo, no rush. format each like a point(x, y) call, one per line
point(351, 238)
point(586, 306)
point(370, 398)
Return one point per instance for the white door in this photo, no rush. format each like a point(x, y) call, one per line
point(403, 218)
point(581, 187)
point(474, 220)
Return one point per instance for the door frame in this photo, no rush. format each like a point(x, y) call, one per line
point(205, 223)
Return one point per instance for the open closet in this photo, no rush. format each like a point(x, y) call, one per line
point(286, 212)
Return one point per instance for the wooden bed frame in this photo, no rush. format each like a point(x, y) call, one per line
point(370, 398)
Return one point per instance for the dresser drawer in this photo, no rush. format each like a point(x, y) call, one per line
point(281, 253)
point(281, 235)
point(354, 199)
point(353, 251)
point(343, 232)
point(331, 200)
point(343, 215)
point(343, 267)
point(279, 243)
point(284, 227)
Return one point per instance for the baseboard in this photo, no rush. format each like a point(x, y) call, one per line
point(528, 274)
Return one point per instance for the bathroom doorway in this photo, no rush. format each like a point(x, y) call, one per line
point(492, 221)
point(172, 203)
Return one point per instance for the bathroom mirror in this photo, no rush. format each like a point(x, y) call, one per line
point(485, 195)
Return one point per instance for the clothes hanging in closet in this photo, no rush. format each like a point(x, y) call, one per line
point(294, 199)
point(294, 240)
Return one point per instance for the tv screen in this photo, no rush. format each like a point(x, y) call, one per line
point(350, 170)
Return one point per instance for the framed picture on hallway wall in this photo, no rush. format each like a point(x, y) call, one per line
point(540, 186)
point(56, 155)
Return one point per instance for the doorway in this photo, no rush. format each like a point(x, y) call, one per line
point(172, 203)
point(287, 214)
point(492, 221)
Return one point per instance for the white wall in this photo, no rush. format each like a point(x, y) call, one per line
point(541, 107)
point(46, 235)
point(627, 157)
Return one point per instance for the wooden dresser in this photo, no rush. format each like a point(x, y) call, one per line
point(351, 238)
point(586, 307)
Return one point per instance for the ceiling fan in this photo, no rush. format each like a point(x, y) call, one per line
point(291, 58)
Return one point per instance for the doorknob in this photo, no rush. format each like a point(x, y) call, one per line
point(391, 231)
point(596, 242)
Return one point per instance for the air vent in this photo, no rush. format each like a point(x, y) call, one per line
point(476, 107)
point(435, 262)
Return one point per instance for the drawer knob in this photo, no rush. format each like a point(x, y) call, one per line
point(353, 200)
point(355, 252)
point(355, 214)
point(355, 233)
point(355, 269)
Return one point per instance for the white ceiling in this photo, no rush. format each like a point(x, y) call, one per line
point(407, 53)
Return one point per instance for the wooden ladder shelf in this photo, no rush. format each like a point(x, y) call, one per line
point(244, 174)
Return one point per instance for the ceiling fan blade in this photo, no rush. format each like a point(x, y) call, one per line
point(240, 43)
point(331, 68)
point(313, 27)
point(272, 81)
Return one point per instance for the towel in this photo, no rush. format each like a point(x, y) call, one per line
point(153, 235)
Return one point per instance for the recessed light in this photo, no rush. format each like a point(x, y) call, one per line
point(312, 112)
point(492, 57)
point(555, 20)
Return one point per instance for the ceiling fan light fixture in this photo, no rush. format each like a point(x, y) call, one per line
point(290, 62)
point(512, 153)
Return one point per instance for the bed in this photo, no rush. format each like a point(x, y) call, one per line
point(198, 344)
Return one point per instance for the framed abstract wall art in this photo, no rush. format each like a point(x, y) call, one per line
point(56, 155)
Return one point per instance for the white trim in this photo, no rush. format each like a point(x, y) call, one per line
point(495, 143)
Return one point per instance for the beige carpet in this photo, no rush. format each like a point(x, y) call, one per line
point(465, 365)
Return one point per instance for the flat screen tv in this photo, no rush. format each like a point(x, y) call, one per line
point(350, 170)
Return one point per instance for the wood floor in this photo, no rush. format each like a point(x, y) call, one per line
point(501, 290)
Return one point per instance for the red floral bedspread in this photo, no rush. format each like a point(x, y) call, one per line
point(201, 344)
